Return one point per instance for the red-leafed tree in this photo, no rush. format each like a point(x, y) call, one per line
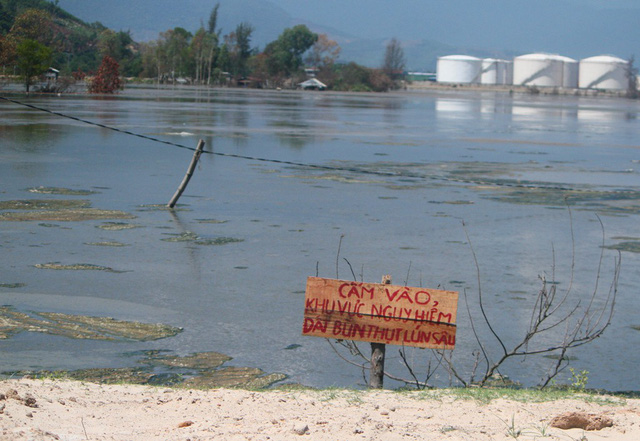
point(107, 79)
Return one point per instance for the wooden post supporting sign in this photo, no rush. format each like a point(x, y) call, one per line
point(378, 350)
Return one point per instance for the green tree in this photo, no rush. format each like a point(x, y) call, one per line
point(354, 77)
point(223, 60)
point(34, 24)
point(239, 49)
point(214, 39)
point(33, 60)
point(203, 49)
point(149, 60)
point(5, 20)
point(173, 53)
point(7, 50)
point(213, 20)
point(285, 53)
point(109, 44)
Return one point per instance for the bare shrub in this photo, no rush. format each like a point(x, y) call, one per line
point(554, 313)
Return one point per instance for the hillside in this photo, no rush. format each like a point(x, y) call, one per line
point(73, 41)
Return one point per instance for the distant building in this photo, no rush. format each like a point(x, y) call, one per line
point(52, 74)
point(312, 84)
point(421, 76)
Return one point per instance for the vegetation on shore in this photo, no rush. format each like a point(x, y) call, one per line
point(38, 34)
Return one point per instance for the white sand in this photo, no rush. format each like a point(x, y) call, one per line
point(70, 411)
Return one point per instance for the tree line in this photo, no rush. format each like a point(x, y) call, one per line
point(36, 34)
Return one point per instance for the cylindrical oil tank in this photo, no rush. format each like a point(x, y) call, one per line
point(604, 72)
point(494, 71)
point(508, 78)
point(538, 70)
point(459, 69)
point(570, 72)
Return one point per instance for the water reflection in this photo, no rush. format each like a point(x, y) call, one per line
point(452, 108)
point(31, 137)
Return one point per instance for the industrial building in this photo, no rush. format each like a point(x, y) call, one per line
point(603, 72)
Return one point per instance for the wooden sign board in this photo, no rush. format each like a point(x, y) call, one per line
point(378, 313)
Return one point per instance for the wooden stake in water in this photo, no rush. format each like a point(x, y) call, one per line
point(187, 177)
point(376, 373)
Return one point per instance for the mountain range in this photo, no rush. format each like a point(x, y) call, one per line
point(426, 28)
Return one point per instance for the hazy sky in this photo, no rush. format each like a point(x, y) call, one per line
point(575, 28)
point(580, 27)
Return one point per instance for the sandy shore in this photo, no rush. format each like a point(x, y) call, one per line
point(70, 411)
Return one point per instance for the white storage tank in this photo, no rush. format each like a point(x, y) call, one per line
point(459, 69)
point(494, 71)
point(538, 70)
point(604, 72)
point(570, 72)
point(508, 79)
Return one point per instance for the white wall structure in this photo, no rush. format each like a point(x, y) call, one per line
point(543, 70)
point(603, 72)
point(459, 69)
point(495, 71)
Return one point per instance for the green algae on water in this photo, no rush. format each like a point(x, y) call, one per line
point(61, 191)
point(113, 329)
point(117, 226)
point(201, 360)
point(106, 244)
point(204, 373)
point(12, 285)
point(80, 327)
point(631, 247)
point(75, 267)
point(452, 202)
point(64, 215)
point(111, 376)
point(189, 236)
point(607, 201)
point(218, 241)
point(233, 377)
point(44, 204)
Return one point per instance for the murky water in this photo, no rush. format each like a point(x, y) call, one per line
point(230, 265)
